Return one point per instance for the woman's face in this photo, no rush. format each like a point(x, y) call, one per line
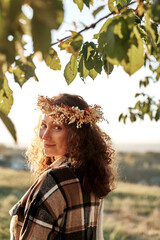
point(54, 137)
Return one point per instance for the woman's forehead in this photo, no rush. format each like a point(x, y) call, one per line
point(46, 118)
point(49, 119)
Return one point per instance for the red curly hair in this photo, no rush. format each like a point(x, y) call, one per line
point(88, 145)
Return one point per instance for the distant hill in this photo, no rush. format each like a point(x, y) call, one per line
point(12, 157)
point(134, 167)
point(139, 167)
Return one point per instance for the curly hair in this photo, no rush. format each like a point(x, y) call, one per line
point(89, 146)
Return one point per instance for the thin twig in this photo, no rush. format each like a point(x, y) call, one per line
point(94, 24)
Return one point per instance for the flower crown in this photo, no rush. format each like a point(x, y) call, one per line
point(66, 114)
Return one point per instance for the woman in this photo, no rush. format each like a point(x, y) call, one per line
point(73, 161)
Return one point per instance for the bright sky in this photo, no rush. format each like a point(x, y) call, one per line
point(114, 93)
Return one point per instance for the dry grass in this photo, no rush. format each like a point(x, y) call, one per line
point(13, 185)
point(131, 212)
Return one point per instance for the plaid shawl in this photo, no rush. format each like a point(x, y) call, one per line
point(55, 207)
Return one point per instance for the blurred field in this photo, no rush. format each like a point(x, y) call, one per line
point(13, 184)
point(131, 212)
point(141, 168)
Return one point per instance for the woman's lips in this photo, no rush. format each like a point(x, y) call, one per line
point(49, 145)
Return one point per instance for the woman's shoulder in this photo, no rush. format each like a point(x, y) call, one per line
point(58, 177)
point(62, 173)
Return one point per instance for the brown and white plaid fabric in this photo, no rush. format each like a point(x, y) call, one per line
point(55, 207)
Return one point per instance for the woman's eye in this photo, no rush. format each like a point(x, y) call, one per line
point(43, 125)
point(57, 127)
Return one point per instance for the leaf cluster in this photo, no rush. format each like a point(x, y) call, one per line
point(14, 25)
point(148, 106)
point(129, 38)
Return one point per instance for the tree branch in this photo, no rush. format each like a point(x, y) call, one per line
point(94, 24)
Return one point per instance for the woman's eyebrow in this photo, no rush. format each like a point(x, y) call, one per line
point(43, 121)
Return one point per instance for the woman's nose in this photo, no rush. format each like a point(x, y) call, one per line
point(46, 134)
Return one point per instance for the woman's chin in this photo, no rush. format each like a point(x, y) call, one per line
point(49, 153)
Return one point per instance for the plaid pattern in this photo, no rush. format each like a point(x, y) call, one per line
point(55, 207)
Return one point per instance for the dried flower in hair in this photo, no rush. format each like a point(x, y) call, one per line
point(66, 114)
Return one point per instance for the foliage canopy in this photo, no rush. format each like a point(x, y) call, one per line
point(130, 37)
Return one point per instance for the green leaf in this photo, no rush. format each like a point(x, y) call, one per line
point(108, 67)
point(105, 26)
point(95, 12)
point(157, 116)
point(114, 40)
point(98, 63)
point(132, 117)
point(146, 108)
point(48, 13)
point(9, 125)
point(79, 4)
point(87, 49)
point(41, 36)
point(135, 59)
point(120, 117)
point(15, 10)
point(89, 52)
point(67, 46)
point(83, 71)
point(6, 96)
point(148, 28)
point(158, 72)
point(7, 53)
point(52, 60)
point(93, 73)
point(124, 119)
point(88, 2)
point(141, 116)
point(2, 23)
point(23, 72)
point(111, 5)
point(137, 105)
point(70, 70)
point(142, 32)
point(116, 4)
point(73, 44)
point(77, 41)
point(145, 82)
point(121, 2)
point(3, 65)
point(90, 61)
point(137, 95)
point(155, 11)
point(121, 43)
point(150, 114)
